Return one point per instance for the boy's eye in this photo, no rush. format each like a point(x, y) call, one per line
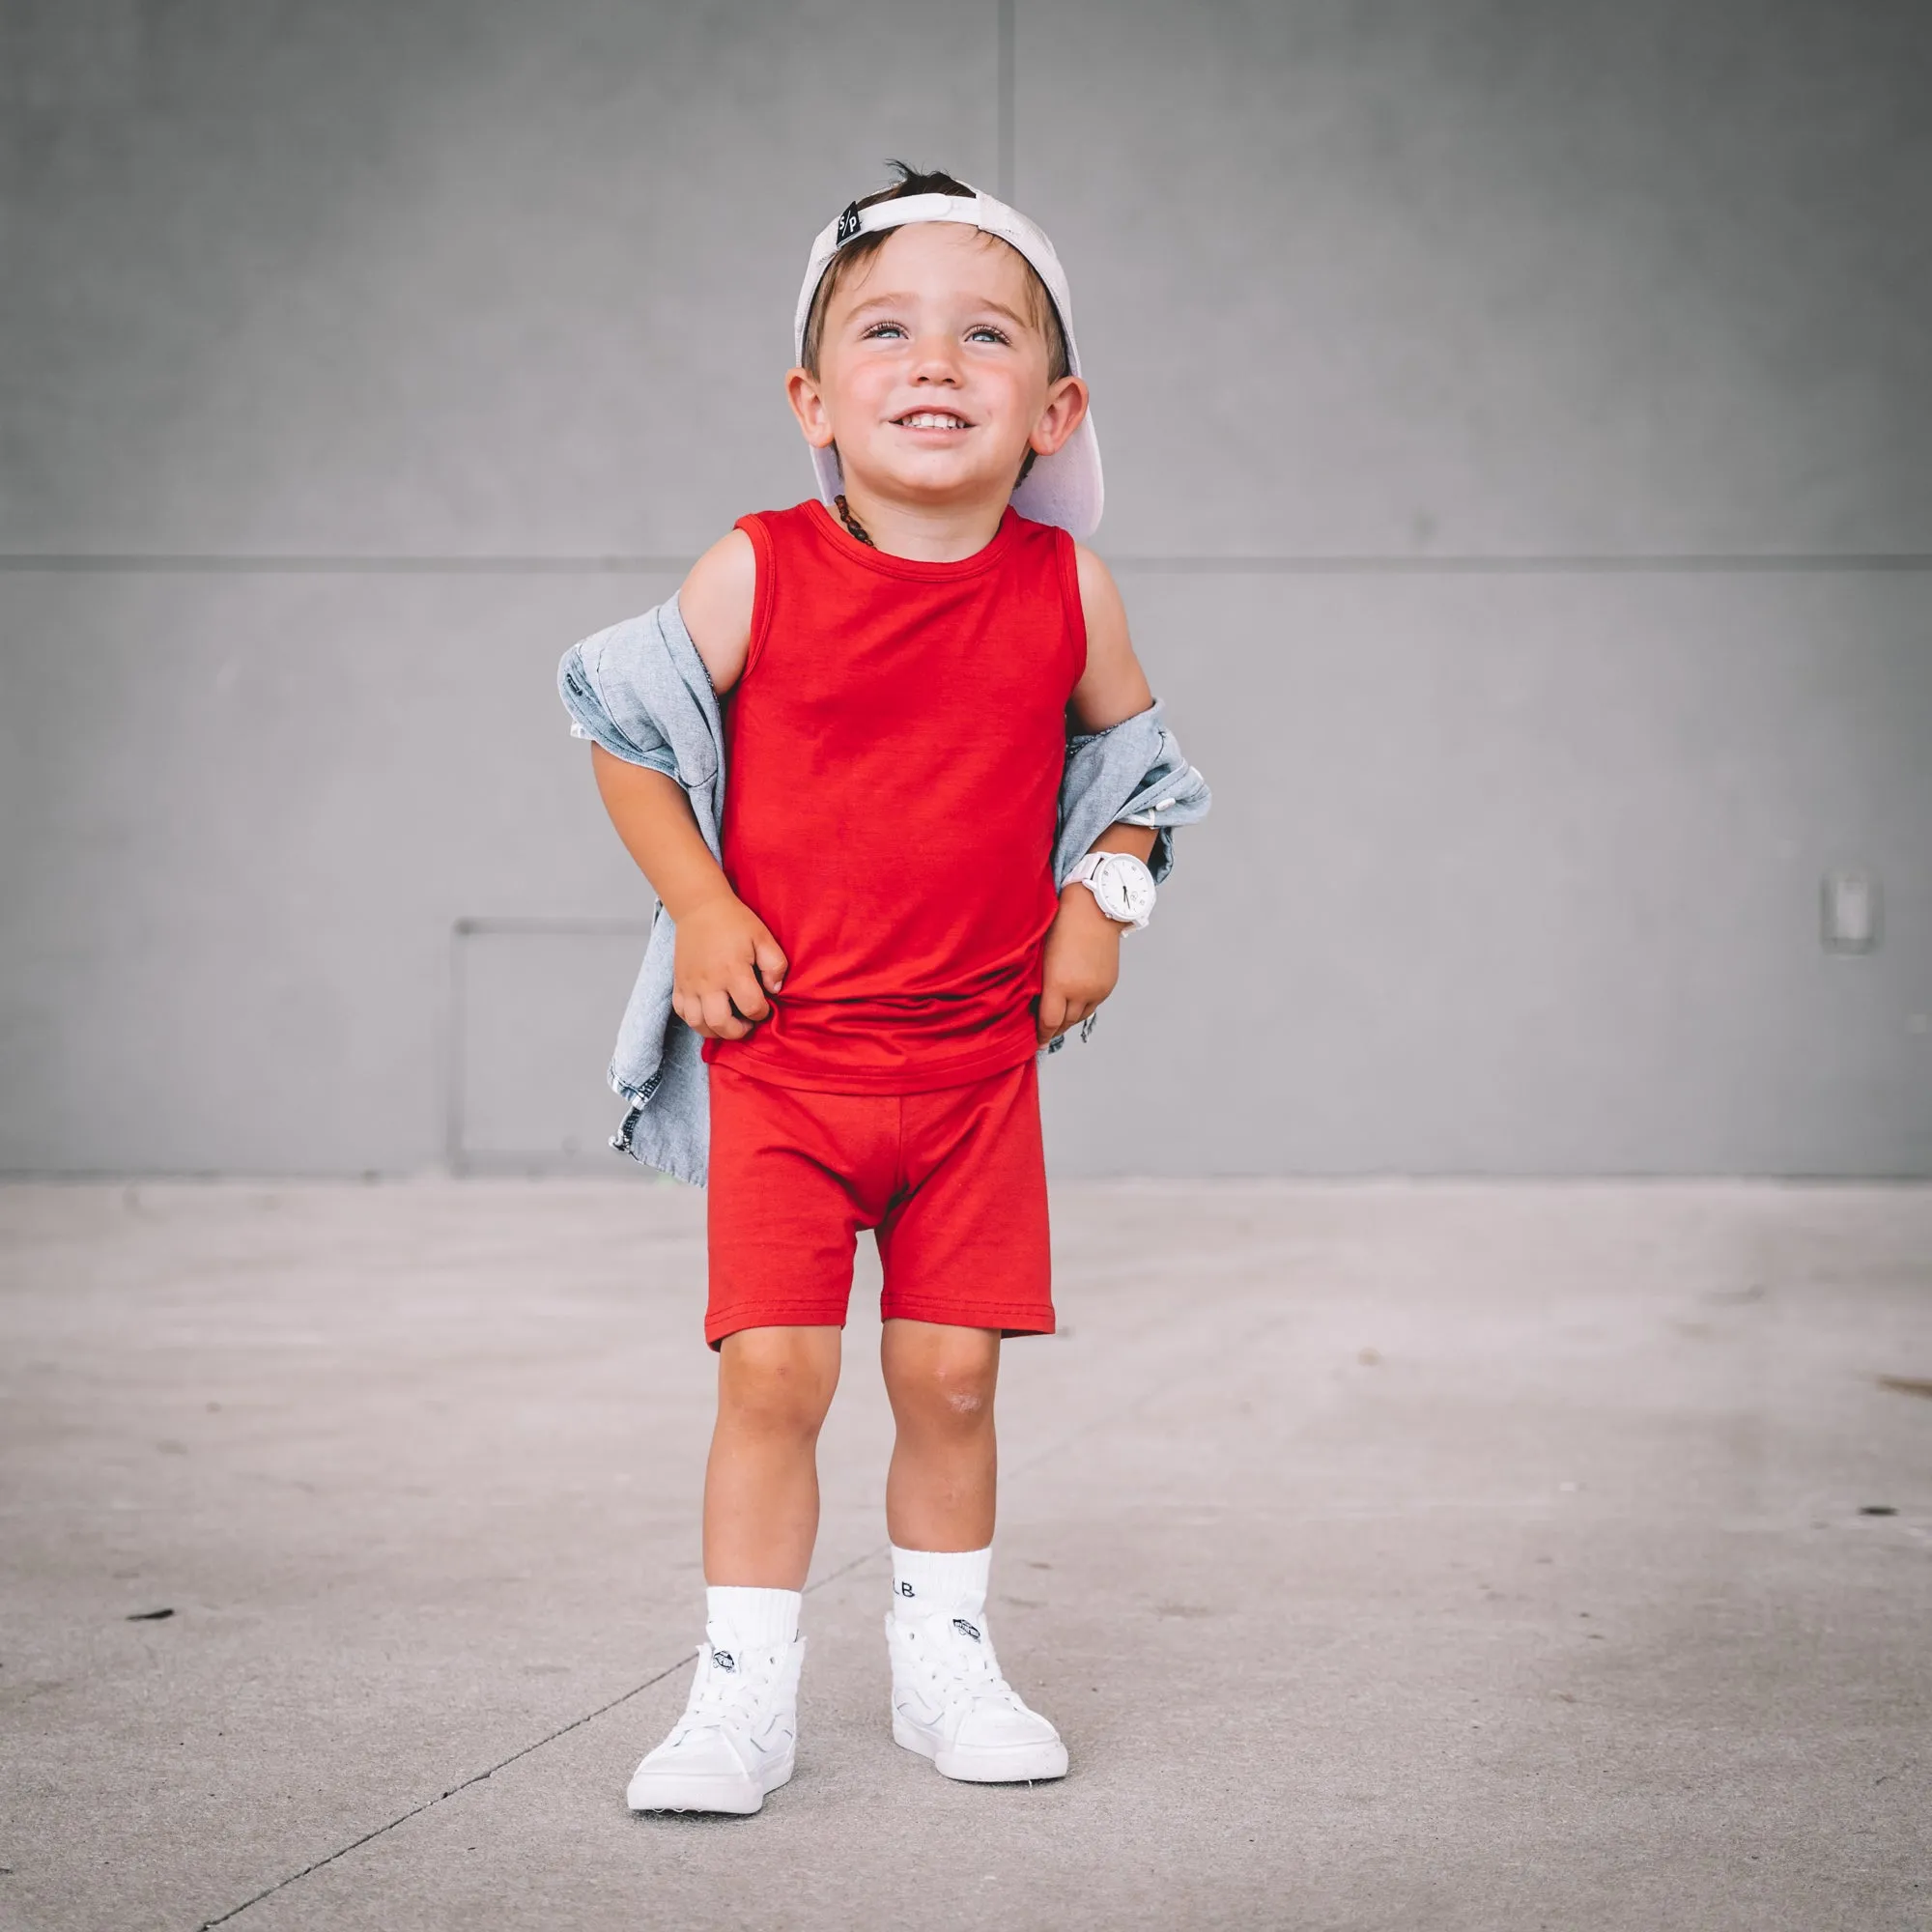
point(986, 330)
point(882, 329)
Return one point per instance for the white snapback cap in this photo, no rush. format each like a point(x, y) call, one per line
point(1063, 488)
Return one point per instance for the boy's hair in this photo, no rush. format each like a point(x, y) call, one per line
point(1044, 316)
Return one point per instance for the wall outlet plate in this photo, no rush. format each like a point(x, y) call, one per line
point(1849, 911)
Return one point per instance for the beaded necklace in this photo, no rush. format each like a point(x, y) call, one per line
point(852, 523)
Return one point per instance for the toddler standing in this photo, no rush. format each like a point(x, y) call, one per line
point(947, 780)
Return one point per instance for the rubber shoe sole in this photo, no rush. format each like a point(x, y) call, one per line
point(983, 1764)
point(690, 1791)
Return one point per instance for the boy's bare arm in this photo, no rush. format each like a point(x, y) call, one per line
point(1083, 949)
point(1112, 687)
point(726, 960)
point(715, 602)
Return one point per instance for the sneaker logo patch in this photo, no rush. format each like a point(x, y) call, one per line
point(723, 1659)
point(965, 1628)
point(908, 1590)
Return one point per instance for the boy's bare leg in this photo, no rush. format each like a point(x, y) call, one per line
point(949, 1703)
point(941, 1488)
point(736, 1741)
point(761, 1483)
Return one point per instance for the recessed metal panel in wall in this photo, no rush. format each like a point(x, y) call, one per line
point(534, 1012)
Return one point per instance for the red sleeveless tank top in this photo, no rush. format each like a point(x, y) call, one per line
point(893, 751)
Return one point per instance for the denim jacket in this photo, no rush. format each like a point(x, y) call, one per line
point(640, 690)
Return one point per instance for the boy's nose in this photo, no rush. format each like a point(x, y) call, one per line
point(935, 359)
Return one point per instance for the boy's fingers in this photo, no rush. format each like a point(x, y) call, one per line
point(748, 997)
point(1073, 1010)
point(770, 960)
point(720, 1018)
point(690, 1008)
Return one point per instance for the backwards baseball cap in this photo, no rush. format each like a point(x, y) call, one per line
point(1063, 488)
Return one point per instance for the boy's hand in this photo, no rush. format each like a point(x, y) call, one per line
point(1083, 963)
point(725, 962)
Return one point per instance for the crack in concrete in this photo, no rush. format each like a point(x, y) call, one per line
point(429, 1803)
point(1162, 1386)
point(562, 1731)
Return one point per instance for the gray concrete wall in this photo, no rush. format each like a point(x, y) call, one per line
point(1518, 427)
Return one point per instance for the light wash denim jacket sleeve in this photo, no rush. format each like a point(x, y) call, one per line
point(640, 690)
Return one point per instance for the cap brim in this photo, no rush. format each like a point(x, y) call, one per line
point(1065, 488)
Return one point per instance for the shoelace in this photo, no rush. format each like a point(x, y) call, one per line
point(963, 1666)
point(716, 1692)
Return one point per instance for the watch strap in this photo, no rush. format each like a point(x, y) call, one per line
point(1083, 872)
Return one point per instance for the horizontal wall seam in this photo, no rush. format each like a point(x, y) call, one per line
point(1715, 562)
point(133, 564)
point(1555, 564)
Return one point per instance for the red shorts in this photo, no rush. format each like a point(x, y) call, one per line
point(954, 1181)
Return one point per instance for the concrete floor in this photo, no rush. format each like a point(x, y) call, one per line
point(1391, 1556)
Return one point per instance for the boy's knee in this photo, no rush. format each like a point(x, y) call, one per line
point(951, 1389)
point(965, 1391)
point(777, 1380)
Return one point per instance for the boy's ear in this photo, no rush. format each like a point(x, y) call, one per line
point(1066, 411)
point(808, 405)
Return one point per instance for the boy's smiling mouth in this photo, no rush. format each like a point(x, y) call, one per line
point(942, 419)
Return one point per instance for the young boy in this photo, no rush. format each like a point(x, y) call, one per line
point(915, 880)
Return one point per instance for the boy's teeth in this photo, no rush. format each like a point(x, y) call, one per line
point(928, 419)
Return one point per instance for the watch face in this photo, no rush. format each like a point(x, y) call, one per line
point(1125, 888)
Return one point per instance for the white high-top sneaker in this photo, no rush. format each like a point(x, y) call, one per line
point(738, 1734)
point(951, 1704)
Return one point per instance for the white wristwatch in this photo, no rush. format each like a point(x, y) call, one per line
point(1122, 885)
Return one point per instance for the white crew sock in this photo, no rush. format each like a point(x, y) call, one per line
point(929, 1582)
point(749, 1619)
